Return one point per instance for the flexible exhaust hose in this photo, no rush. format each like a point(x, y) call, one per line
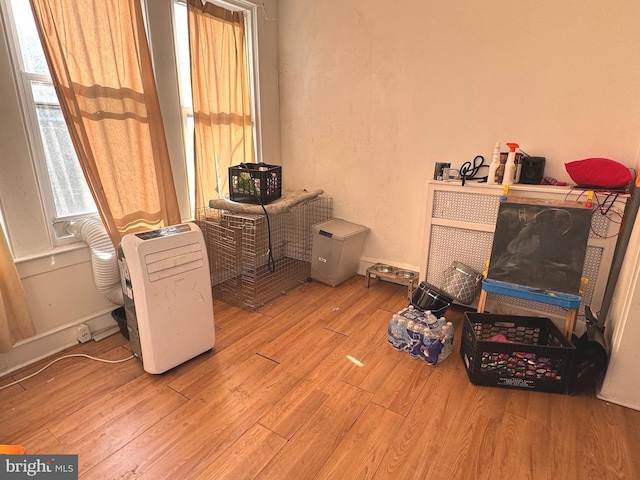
point(106, 273)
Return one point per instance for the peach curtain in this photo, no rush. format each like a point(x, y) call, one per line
point(101, 68)
point(15, 317)
point(223, 130)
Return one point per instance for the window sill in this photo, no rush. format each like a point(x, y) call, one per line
point(54, 259)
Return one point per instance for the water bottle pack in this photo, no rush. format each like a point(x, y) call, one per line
point(421, 334)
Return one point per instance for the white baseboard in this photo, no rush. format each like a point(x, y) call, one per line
point(366, 262)
point(43, 345)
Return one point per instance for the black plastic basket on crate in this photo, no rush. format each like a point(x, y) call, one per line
point(255, 183)
point(533, 353)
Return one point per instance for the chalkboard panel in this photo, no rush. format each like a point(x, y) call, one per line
point(540, 244)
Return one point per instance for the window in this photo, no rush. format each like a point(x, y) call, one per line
point(184, 77)
point(184, 71)
point(65, 194)
point(63, 189)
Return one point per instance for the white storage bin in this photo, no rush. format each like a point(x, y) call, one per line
point(335, 255)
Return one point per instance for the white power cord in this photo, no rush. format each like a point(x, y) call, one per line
point(61, 358)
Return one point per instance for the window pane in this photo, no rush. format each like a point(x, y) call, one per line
point(30, 47)
point(184, 75)
point(191, 176)
point(190, 127)
point(43, 92)
point(70, 192)
point(182, 40)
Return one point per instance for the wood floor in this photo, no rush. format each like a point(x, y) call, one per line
point(279, 399)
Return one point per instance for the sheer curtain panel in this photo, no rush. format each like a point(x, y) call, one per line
point(223, 130)
point(101, 68)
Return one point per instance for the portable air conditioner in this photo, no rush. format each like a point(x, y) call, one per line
point(168, 303)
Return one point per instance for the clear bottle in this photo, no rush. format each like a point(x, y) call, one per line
point(402, 328)
point(410, 325)
point(447, 341)
point(415, 333)
point(434, 326)
point(432, 348)
point(492, 178)
point(397, 333)
point(500, 172)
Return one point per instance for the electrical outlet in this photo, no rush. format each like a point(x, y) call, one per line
point(83, 333)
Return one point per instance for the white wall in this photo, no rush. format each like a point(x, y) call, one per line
point(373, 93)
point(622, 381)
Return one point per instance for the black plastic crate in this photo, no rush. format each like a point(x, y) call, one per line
point(255, 183)
point(535, 355)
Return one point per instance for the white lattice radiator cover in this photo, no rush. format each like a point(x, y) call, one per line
point(473, 247)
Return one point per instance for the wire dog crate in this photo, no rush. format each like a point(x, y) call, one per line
point(254, 258)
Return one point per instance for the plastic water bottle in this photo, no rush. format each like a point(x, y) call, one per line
point(406, 338)
point(409, 313)
point(447, 339)
point(392, 331)
point(434, 325)
point(397, 332)
point(415, 332)
point(431, 348)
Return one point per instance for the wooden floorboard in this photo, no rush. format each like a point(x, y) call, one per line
point(307, 387)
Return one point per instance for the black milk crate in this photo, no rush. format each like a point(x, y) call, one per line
point(536, 355)
point(255, 183)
